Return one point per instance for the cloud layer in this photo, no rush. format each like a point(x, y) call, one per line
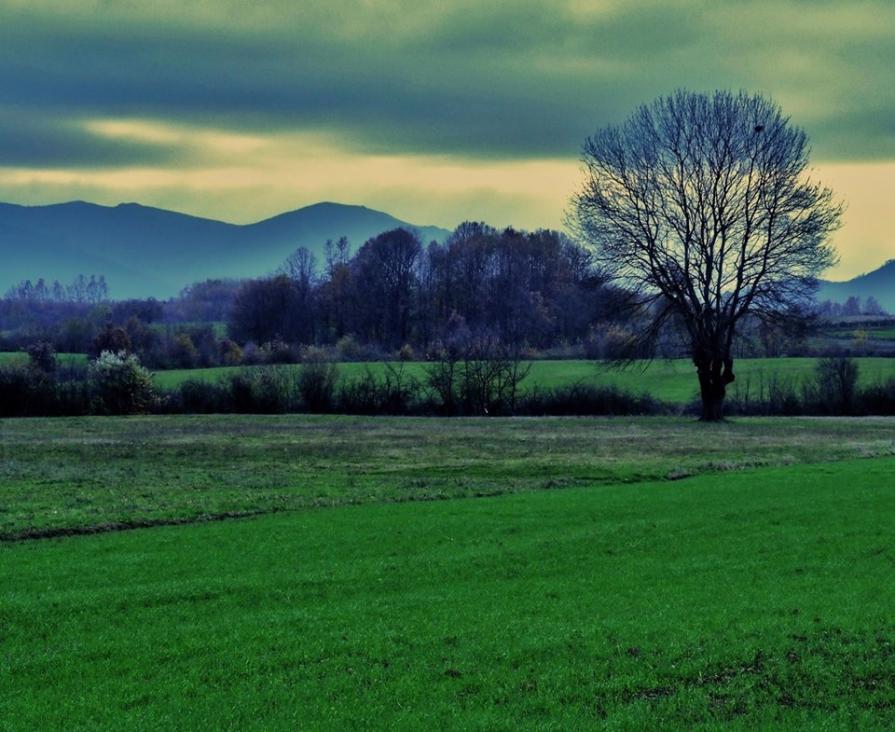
point(94, 91)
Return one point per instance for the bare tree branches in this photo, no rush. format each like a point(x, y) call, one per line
point(703, 203)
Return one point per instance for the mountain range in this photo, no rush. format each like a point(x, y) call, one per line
point(880, 283)
point(152, 252)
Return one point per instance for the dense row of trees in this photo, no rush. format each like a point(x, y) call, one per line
point(852, 307)
point(527, 289)
point(82, 289)
point(179, 333)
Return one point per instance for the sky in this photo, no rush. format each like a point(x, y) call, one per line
point(436, 112)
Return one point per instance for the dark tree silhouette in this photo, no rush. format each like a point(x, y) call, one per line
point(267, 310)
point(702, 206)
point(384, 274)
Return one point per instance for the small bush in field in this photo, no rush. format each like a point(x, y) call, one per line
point(231, 353)
point(280, 352)
point(15, 390)
point(317, 382)
point(121, 384)
point(262, 390)
point(348, 348)
point(879, 398)
point(836, 381)
point(184, 353)
point(581, 399)
point(42, 356)
point(394, 392)
point(197, 396)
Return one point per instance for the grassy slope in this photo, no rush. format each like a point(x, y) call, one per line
point(673, 381)
point(58, 473)
point(763, 599)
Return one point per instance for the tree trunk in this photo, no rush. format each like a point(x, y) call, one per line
point(714, 373)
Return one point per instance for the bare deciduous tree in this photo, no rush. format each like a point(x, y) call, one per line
point(701, 205)
point(301, 268)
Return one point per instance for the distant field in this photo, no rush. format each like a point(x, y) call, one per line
point(882, 334)
point(673, 381)
point(219, 327)
point(604, 590)
point(20, 356)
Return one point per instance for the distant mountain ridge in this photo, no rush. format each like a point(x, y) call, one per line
point(153, 252)
point(880, 283)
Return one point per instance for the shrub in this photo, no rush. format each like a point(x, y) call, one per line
point(279, 352)
point(771, 395)
point(879, 399)
point(267, 390)
point(348, 348)
point(317, 382)
point(26, 391)
point(398, 391)
point(836, 383)
point(609, 342)
point(198, 396)
point(15, 388)
point(184, 354)
point(581, 399)
point(478, 376)
point(113, 339)
point(121, 384)
point(230, 353)
point(395, 393)
point(251, 354)
point(42, 356)
point(360, 395)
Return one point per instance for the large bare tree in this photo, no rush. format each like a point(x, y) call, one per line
point(701, 206)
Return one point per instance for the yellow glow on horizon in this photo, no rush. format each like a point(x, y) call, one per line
point(242, 178)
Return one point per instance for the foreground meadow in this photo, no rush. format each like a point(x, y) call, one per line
point(684, 576)
point(84, 474)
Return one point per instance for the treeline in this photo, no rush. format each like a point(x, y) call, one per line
point(184, 332)
point(393, 299)
point(535, 289)
point(82, 289)
point(852, 307)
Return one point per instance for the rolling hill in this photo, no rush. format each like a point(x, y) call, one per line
point(144, 251)
point(880, 283)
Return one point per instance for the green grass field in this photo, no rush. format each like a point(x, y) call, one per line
point(669, 380)
point(880, 334)
point(587, 573)
point(22, 357)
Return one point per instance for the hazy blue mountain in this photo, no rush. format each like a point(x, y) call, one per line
point(146, 251)
point(880, 283)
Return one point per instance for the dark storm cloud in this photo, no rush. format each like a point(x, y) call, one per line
point(511, 79)
point(40, 138)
